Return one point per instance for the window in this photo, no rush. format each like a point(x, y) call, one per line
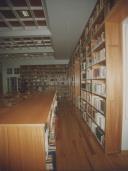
point(16, 70)
point(9, 70)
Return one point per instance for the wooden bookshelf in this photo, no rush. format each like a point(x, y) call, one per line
point(101, 73)
point(25, 130)
point(41, 77)
point(74, 78)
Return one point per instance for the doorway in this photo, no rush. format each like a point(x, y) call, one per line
point(12, 83)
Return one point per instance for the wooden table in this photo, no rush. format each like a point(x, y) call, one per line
point(22, 133)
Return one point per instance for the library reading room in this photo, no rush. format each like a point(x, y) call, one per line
point(63, 85)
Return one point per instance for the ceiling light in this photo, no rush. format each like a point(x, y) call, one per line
point(25, 13)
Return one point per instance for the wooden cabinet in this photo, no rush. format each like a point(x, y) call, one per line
point(23, 132)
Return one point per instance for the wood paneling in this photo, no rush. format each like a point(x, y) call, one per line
point(33, 110)
point(22, 148)
point(113, 27)
point(22, 133)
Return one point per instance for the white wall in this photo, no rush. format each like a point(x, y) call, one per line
point(16, 62)
point(125, 87)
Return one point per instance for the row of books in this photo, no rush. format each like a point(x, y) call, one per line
point(98, 103)
point(96, 87)
point(83, 66)
point(97, 27)
point(89, 87)
point(96, 116)
point(98, 56)
point(51, 161)
point(99, 72)
point(83, 94)
point(100, 120)
point(96, 73)
point(99, 88)
point(51, 157)
point(83, 75)
point(95, 15)
point(95, 43)
point(89, 74)
point(97, 131)
point(83, 105)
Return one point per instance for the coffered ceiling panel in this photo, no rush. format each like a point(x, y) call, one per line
point(39, 27)
point(24, 24)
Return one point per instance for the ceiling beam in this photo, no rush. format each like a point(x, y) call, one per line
point(15, 13)
point(28, 32)
point(24, 19)
point(6, 22)
point(20, 8)
point(26, 50)
point(31, 11)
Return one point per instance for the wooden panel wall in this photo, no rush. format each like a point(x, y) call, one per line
point(22, 148)
point(113, 27)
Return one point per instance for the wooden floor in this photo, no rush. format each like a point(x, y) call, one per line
point(77, 150)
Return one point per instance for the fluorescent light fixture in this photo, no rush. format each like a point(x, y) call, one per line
point(25, 13)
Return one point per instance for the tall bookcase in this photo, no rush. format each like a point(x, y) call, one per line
point(74, 77)
point(39, 77)
point(101, 74)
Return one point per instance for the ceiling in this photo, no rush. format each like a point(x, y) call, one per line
point(38, 28)
point(67, 20)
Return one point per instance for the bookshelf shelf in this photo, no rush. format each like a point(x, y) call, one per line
point(98, 45)
point(41, 77)
point(93, 107)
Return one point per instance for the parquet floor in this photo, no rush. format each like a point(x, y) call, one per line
point(77, 149)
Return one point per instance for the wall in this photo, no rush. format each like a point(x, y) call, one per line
point(16, 62)
point(125, 87)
